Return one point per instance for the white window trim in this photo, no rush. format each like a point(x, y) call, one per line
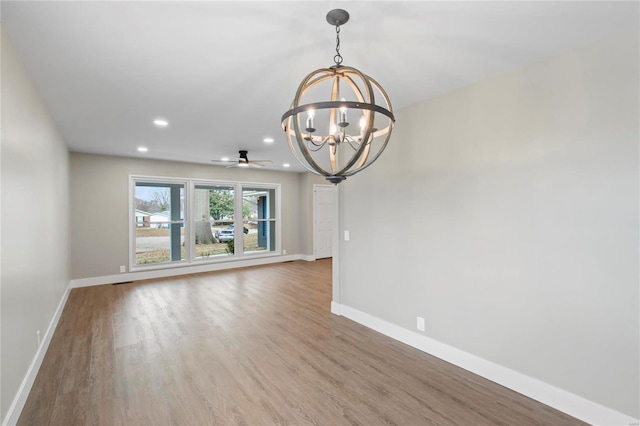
point(278, 248)
point(132, 211)
point(189, 230)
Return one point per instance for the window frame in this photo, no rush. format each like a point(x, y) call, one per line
point(189, 222)
point(133, 224)
point(209, 183)
point(268, 221)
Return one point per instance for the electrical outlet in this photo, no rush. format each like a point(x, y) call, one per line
point(38, 337)
point(347, 236)
point(284, 252)
point(420, 323)
point(123, 268)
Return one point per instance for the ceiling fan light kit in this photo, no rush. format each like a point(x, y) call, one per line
point(320, 125)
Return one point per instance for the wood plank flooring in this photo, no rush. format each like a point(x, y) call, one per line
point(251, 346)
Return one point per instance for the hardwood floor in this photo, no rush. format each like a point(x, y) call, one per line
point(252, 346)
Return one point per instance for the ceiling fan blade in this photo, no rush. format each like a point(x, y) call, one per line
point(243, 161)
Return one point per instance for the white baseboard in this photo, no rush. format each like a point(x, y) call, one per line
point(15, 409)
point(552, 396)
point(192, 269)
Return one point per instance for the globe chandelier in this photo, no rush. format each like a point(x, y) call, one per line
point(320, 125)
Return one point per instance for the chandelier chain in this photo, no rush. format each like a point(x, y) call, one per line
point(338, 57)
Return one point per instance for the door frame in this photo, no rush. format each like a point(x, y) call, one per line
point(335, 244)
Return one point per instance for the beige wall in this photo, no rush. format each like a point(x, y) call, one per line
point(100, 206)
point(506, 215)
point(34, 224)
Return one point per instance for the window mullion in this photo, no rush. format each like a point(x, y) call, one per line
point(238, 223)
point(190, 226)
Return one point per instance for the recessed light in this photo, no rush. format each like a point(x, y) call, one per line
point(268, 140)
point(286, 165)
point(143, 149)
point(160, 122)
point(224, 159)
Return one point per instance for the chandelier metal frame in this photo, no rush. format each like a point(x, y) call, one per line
point(303, 141)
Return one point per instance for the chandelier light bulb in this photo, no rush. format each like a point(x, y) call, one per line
point(343, 115)
point(363, 125)
point(310, 114)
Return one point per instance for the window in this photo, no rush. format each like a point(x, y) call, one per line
point(159, 231)
point(214, 214)
point(258, 209)
point(182, 221)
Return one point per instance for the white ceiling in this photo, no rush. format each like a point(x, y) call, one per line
point(223, 73)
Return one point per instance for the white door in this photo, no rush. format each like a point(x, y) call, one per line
point(323, 196)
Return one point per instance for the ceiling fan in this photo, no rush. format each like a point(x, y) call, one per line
point(243, 161)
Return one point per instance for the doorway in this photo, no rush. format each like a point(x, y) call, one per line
point(323, 212)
